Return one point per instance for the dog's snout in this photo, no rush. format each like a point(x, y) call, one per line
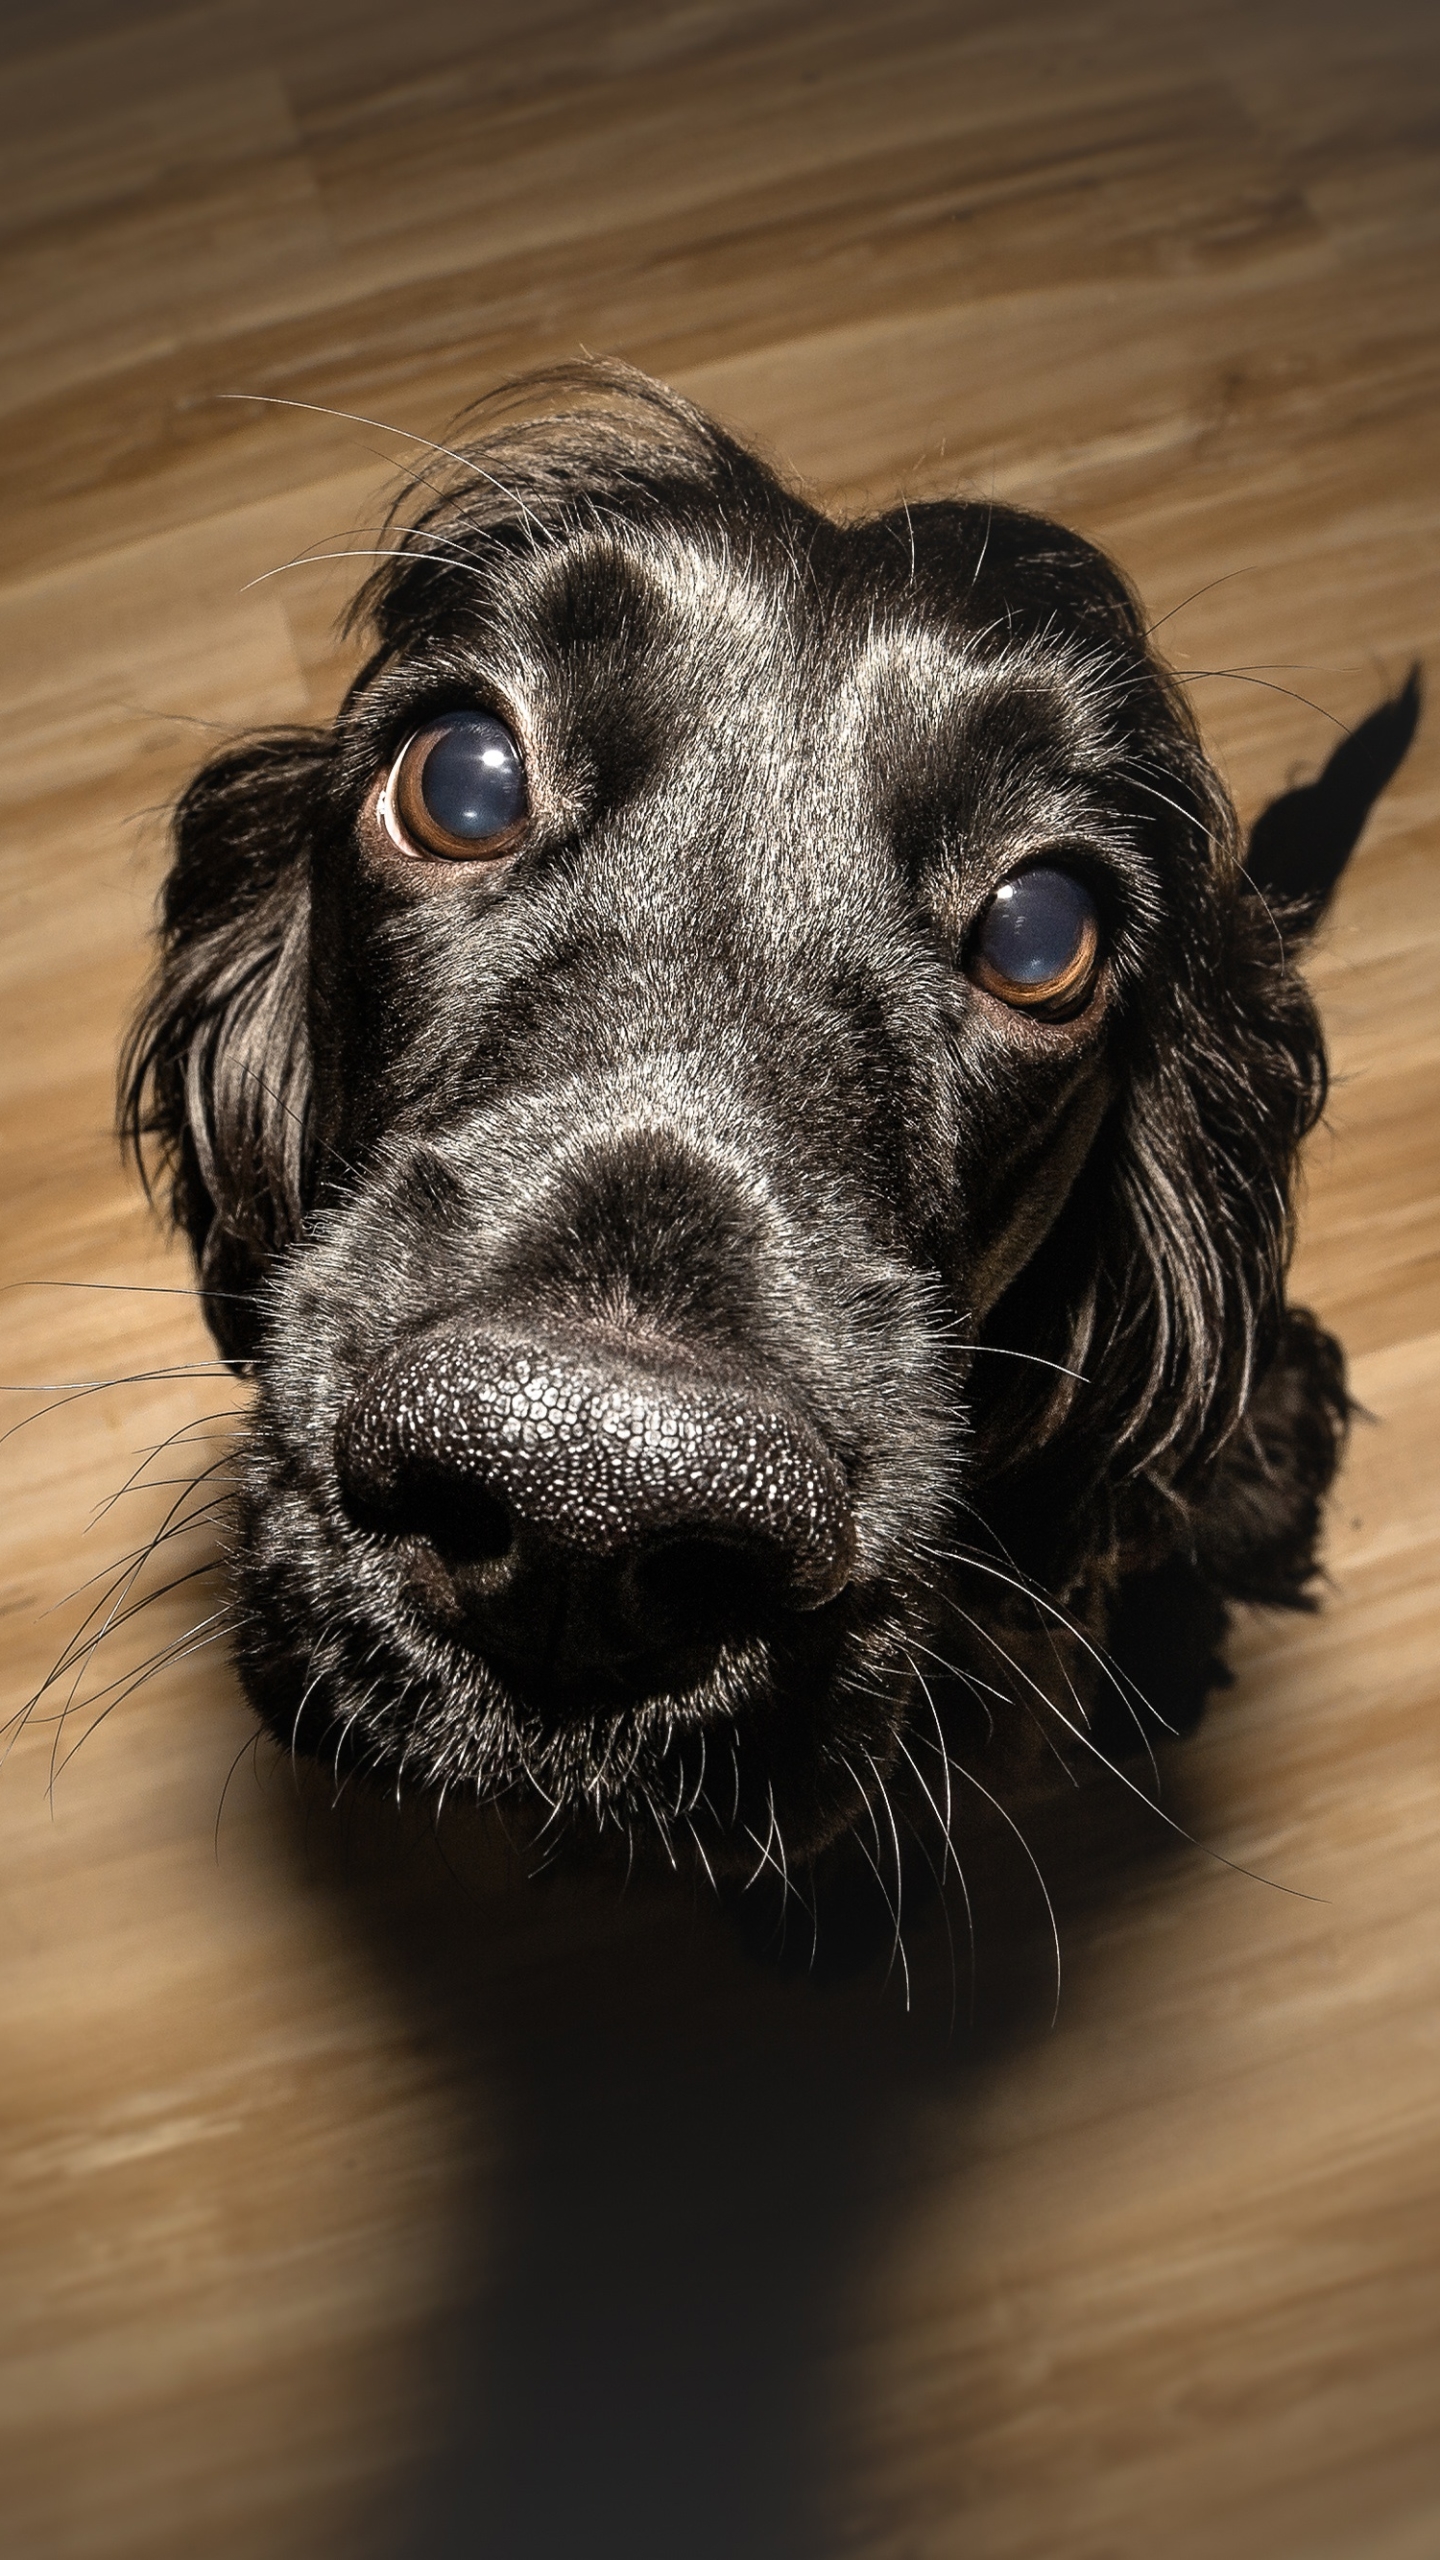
point(593, 1514)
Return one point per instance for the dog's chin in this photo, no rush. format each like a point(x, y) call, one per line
point(768, 1757)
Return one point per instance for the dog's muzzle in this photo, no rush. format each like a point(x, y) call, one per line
point(599, 1518)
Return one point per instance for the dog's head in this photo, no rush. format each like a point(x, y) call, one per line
point(747, 1045)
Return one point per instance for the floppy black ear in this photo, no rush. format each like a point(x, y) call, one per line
point(1300, 845)
point(215, 1074)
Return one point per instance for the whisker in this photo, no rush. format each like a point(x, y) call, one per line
point(1033, 1593)
point(949, 1834)
point(1005, 1351)
point(174, 1521)
point(251, 1744)
point(1006, 1697)
point(439, 548)
point(1119, 1680)
point(1006, 1817)
point(311, 1685)
point(126, 1288)
point(167, 1484)
point(778, 1836)
point(163, 1661)
point(1046, 1632)
point(944, 1819)
point(77, 1655)
point(874, 1864)
point(1128, 1782)
point(947, 1848)
point(138, 1481)
point(66, 1392)
point(698, 1790)
point(312, 559)
point(93, 1386)
point(662, 1826)
point(27, 1714)
point(1208, 589)
point(700, 1850)
point(1238, 675)
point(207, 1514)
point(765, 1857)
point(301, 1119)
point(898, 1948)
point(350, 417)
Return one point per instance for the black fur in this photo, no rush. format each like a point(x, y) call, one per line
point(701, 1085)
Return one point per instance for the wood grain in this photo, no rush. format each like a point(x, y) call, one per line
point(354, 2205)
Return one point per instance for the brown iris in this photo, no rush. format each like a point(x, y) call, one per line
point(1038, 943)
point(457, 790)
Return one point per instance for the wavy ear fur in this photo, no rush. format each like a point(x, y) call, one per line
point(1162, 1282)
point(1164, 1279)
point(215, 1074)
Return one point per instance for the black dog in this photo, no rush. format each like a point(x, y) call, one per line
point(741, 1106)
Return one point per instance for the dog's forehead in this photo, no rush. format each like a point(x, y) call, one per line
point(830, 654)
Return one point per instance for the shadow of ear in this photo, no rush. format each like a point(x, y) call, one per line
point(1300, 845)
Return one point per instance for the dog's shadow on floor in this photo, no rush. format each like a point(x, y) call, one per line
point(699, 2156)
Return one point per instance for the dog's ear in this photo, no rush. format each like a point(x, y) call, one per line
point(215, 1073)
point(1300, 845)
point(1159, 1291)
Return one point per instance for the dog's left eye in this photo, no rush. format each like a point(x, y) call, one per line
point(1037, 945)
point(457, 789)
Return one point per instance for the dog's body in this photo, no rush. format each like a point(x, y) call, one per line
point(742, 1107)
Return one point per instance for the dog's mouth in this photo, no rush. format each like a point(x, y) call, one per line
point(571, 1633)
point(669, 1696)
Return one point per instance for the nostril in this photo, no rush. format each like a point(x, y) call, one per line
point(464, 1523)
point(467, 1522)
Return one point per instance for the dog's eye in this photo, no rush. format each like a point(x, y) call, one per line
point(1038, 943)
point(458, 789)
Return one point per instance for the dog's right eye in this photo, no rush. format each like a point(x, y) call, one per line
point(1038, 943)
point(457, 790)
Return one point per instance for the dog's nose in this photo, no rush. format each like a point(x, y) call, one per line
point(599, 1523)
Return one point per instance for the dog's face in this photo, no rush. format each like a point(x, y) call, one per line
point(728, 967)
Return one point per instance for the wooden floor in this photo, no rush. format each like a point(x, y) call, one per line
point(355, 2208)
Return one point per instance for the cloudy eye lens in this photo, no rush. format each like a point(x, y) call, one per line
point(458, 789)
point(1039, 942)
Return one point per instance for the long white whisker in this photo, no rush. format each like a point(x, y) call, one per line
point(1141, 1797)
point(1041, 1600)
point(949, 1833)
point(968, 1775)
point(351, 417)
